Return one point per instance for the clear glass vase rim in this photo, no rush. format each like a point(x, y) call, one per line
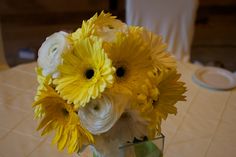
point(159, 136)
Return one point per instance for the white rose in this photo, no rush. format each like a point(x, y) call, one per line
point(99, 115)
point(108, 33)
point(49, 54)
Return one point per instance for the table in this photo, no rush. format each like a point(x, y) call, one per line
point(204, 126)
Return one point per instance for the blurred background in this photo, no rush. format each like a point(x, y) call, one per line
point(26, 23)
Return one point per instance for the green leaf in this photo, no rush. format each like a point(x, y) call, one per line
point(147, 149)
point(94, 154)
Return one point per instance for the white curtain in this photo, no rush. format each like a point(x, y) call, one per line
point(173, 19)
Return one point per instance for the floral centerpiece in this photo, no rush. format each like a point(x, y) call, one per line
point(105, 84)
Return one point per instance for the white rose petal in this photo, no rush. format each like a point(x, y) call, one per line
point(101, 114)
point(49, 54)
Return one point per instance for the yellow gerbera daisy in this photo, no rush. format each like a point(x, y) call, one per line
point(131, 58)
point(171, 91)
point(85, 73)
point(104, 26)
point(62, 118)
point(160, 57)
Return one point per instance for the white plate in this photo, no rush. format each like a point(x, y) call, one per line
point(215, 78)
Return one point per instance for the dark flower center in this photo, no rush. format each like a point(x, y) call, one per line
point(120, 72)
point(89, 73)
point(125, 115)
point(110, 26)
point(96, 107)
point(65, 112)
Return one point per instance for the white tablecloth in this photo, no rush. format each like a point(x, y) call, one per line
point(204, 126)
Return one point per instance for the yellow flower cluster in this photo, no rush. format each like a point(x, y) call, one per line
point(103, 56)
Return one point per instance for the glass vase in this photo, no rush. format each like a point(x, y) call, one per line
point(149, 148)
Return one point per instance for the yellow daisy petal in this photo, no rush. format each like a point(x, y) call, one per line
point(63, 140)
point(59, 131)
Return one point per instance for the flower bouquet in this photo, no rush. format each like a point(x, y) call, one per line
point(105, 85)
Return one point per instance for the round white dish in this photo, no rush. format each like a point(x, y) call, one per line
point(215, 78)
